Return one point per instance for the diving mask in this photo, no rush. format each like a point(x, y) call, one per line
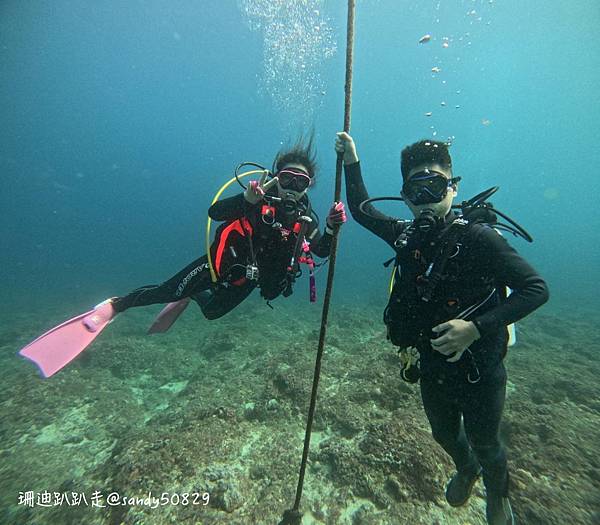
point(293, 179)
point(427, 187)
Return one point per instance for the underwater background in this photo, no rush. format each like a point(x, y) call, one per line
point(119, 123)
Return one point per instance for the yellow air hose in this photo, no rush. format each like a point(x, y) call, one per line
point(213, 275)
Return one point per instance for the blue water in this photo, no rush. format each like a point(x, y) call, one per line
point(121, 120)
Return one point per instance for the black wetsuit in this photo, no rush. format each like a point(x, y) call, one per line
point(269, 247)
point(480, 265)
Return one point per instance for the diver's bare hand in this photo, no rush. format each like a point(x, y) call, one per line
point(256, 189)
point(457, 336)
point(344, 144)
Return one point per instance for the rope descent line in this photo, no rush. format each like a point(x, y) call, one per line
point(293, 516)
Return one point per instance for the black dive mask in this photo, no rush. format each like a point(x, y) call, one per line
point(427, 187)
point(293, 179)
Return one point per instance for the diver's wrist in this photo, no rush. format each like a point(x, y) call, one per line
point(475, 328)
point(350, 158)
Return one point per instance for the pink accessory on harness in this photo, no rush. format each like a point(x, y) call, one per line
point(308, 260)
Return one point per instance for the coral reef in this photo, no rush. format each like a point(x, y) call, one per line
point(219, 409)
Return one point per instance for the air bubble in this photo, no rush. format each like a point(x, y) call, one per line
point(297, 41)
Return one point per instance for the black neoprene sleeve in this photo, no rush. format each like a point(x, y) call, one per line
point(529, 290)
point(384, 226)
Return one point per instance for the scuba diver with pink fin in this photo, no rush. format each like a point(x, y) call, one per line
point(267, 233)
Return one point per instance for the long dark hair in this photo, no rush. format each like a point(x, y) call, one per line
point(302, 152)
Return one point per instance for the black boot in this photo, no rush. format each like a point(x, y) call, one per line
point(498, 511)
point(461, 484)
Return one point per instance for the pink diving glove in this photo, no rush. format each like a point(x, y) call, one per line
point(336, 215)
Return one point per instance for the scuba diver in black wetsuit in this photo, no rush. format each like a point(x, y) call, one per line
point(268, 231)
point(448, 306)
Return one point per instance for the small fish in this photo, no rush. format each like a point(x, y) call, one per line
point(424, 39)
point(435, 69)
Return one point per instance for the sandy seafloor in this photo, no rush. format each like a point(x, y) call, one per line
point(220, 408)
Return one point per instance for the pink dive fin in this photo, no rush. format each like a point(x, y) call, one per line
point(63, 343)
point(168, 315)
